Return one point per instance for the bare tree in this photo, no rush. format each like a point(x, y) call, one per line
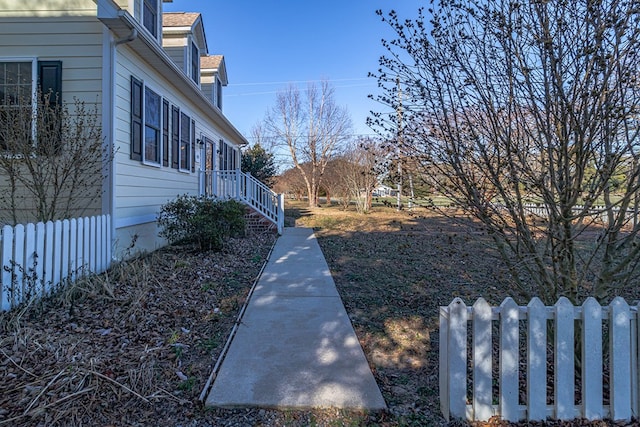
point(359, 173)
point(312, 128)
point(53, 159)
point(513, 102)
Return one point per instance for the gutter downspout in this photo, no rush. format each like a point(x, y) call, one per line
point(109, 77)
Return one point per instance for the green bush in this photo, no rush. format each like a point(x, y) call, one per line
point(201, 220)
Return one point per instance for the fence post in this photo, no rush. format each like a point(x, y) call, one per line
point(536, 360)
point(482, 361)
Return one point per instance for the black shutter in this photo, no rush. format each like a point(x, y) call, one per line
point(136, 119)
point(175, 137)
point(50, 80)
point(193, 145)
point(50, 87)
point(165, 133)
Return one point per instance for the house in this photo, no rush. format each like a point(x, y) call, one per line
point(159, 97)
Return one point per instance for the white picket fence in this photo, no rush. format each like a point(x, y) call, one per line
point(469, 372)
point(595, 212)
point(38, 257)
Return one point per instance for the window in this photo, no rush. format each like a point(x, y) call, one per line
point(17, 88)
point(218, 93)
point(195, 63)
point(146, 123)
point(185, 142)
point(152, 119)
point(150, 16)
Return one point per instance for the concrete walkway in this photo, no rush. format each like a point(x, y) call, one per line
point(295, 347)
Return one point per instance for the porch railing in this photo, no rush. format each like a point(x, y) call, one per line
point(242, 186)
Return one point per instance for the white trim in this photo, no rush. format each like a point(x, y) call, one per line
point(134, 220)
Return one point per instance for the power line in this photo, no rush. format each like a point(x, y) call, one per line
point(300, 81)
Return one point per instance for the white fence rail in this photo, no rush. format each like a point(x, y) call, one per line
point(515, 382)
point(242, 186)
point(37, 257)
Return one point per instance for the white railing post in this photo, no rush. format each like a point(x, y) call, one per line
point(280, 213)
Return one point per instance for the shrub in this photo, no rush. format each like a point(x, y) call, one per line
point(201, 220)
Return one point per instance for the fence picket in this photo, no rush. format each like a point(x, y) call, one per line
point(40, 236)
point(6, 268)
point(482, 360)
point(86, 226)
point(443, 361)
point(536, 360)
point(564, 360)
point(57, 252)
point(73, 249)
point(30, 260)
point(592, 359)
point(65, 250)
point(620, 344)
point(49, 240)
point(18, 260)
point(92, 239)
point(509, 353)
point(457, 353)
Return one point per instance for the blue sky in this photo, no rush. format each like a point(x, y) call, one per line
point(269, 44)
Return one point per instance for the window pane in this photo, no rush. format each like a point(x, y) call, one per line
point(152, 115)
point(150, 15)
point(185, 141)
point(15, 88)
point(151, 144)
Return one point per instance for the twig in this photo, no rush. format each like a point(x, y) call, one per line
point(20, 367)
point(177, 399)
point(98, 374)
point(33, 402)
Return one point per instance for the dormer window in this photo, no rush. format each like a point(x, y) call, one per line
point(218, 93)
point(195, 63)
point(150, 16)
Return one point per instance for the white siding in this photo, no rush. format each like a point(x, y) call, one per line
point(141, 189)
point(74, 40)
point(42, 8)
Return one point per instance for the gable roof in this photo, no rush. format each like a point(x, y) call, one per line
point(183, 23)
point(214, 64)
point(179, 19)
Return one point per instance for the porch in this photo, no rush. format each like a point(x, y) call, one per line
point(242, 186)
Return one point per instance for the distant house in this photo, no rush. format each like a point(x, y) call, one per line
point(383, 191)
point(159, 94)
